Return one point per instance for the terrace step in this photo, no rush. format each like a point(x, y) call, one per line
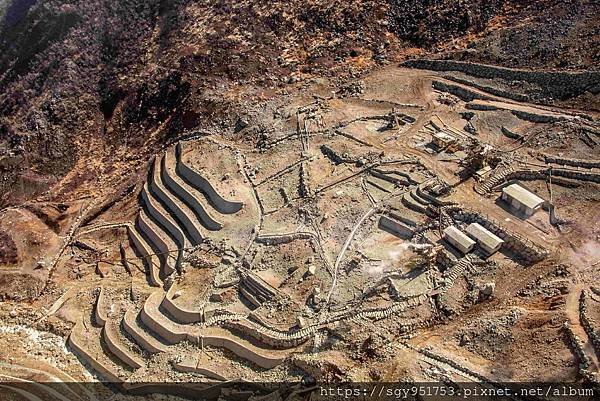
point(180, 213)
point(411, 203)
point(174, 333)
point(196, 180)
point(162, 245)
point(419, 199)
point(162, 220)
point(107, 369)
point(194, 365)
point(143, 339)
point(143, 250)
point(115, 344)
point(187, 195)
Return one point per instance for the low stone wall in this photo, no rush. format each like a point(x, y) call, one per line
point(576, 175)
point(494, 91)
point(462, 93)
point(108, 335)
point(572, 162)
point(172, 206)
point(335, 157)
point(557, 85)
point(273, 338)
point(588, 324)
point(508, 133)
point(278, 239)
point(144, 340)
point(524, 248)
point(106, 372)
point(164, 223)
point(577, 346)
point(536, 117)
point(192, 201)
point(196, 180)
point(156, 241)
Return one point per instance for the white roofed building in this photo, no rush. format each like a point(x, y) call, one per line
point(458, 239)
point(487, 240)
point(521, 199)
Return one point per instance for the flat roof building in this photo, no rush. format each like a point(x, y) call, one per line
point(521, 199)
point(458, 239)
point(486, 239)
point(442, 139)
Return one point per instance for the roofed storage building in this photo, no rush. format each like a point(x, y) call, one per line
point(487, 240)
point(521, 199)
point(458, 239)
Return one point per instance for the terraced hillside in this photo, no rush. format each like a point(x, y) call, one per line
point(211, 200)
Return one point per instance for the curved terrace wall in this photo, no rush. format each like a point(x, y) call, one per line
point(113, 345)
point(164, 223)
point(171, 205)
point(143, 250)
point(144, 340)
point(99, 312)
point(174, 333)
point(180, 314)
point(188, 198)
point(197, 181)
point(107, 373)
point(158, 243)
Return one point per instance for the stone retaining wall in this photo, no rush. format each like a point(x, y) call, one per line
point(117, 350)
point(147, 257)
point(172, 206)
point(106, 372)
point(557, 85)
point(164, 223)
point(588, 324)
point(193, 202)
point(278, 239)
point(572, 162)
point(524, 248)
point(100, 316)
point(181, 314)
point(577, 346)
point(197, 181)
point(397, 228)
point(462, 93)
point(144, 340)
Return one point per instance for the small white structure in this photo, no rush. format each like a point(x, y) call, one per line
point(442, 139)
point(521, 199)
point(486, 239)
point(458, 239)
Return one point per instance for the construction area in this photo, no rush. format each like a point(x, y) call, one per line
point(424, 227)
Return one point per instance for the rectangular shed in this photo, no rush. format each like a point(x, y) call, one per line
point(486, 239)
point(521, 199)
point(458, 239)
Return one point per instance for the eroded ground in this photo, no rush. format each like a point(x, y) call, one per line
point(313, 248)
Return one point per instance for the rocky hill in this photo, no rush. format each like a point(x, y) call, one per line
point(87, 87)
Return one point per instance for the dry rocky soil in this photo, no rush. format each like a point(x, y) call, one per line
point(196, 195)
